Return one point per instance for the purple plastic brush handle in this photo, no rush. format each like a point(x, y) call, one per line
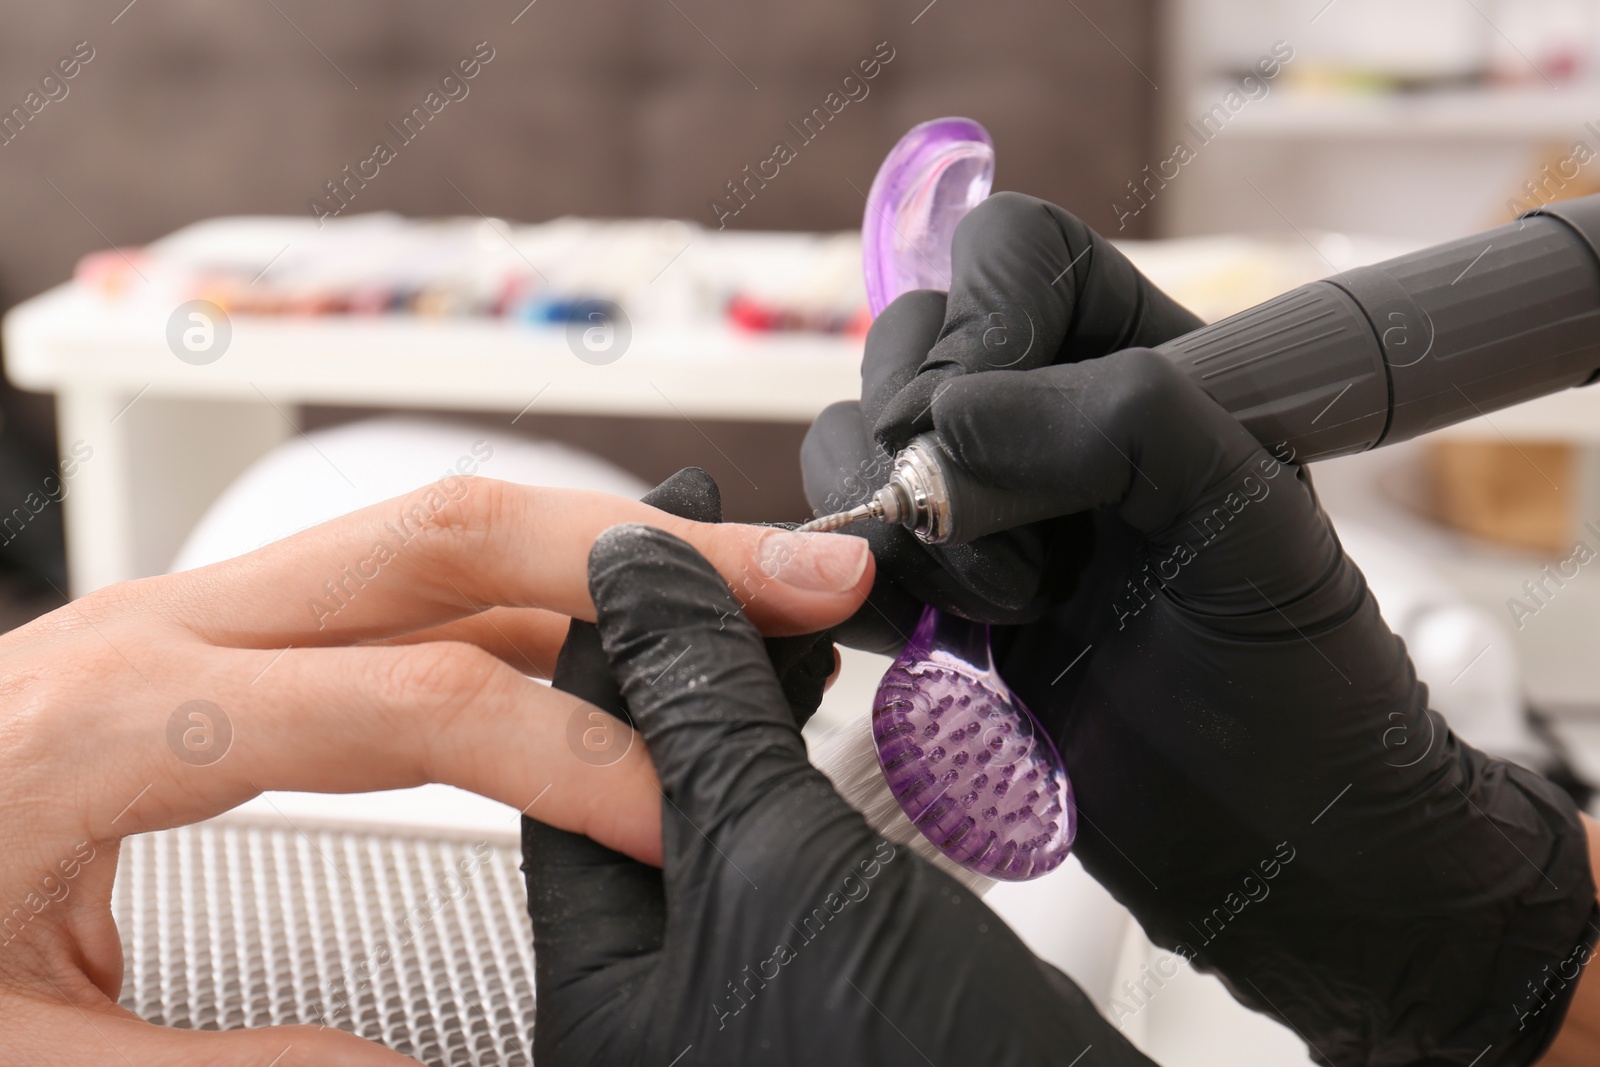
point(938, 172)
point(968, 763)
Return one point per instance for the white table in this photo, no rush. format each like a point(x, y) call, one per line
point(167, 436)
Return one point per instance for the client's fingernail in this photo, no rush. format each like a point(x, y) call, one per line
point(820, 562)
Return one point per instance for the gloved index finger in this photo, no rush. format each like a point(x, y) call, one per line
point(1031, 285)
point(694, 672)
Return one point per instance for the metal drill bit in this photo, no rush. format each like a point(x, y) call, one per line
point(839, 519)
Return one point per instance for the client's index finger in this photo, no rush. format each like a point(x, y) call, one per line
point(446, 552)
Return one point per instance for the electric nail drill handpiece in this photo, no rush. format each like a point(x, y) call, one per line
point(1366, 358)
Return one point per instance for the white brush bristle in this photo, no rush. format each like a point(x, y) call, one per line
point(847, 754)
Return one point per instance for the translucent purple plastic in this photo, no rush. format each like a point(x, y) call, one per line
point(967, 761)
point(969, 764)
point(937, 173)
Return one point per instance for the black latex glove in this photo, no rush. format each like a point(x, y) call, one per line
point(1259, 777)
point(782, 929)
point(1031, 286)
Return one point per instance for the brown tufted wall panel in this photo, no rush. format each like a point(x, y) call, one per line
point(195, 108)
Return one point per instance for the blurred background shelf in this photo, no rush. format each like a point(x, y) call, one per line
point(120, 392)
point(66, 339)
point(1495, 115)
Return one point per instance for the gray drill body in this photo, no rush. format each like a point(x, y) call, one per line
point(1371, 356)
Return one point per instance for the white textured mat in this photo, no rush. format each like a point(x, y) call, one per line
point(420, 942)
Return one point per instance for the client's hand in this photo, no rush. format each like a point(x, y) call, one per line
point(1258, 774)
point(164, 701)
point(781, 929)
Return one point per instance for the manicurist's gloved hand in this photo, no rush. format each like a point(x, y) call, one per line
point(1258, 774)
point(781, 929)
point(1031, 286)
